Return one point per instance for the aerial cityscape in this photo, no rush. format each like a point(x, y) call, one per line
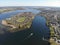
point(23, 22)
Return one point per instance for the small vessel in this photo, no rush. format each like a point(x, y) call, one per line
point(31, 34)
point(43, 38)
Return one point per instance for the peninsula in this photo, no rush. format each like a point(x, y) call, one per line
point(19, 22)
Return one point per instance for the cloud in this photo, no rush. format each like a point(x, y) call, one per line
point(53, 3)
point(31, 3)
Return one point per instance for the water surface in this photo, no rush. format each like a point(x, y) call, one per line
point(38, 28)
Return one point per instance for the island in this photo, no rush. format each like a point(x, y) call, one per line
point(19, 22)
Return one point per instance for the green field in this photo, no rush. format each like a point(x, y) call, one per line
point(21, 19)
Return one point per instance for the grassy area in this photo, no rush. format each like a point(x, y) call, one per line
point(52, 34)
point(29, 24)
point(51, 29)
point(52, 42)
point(21, 19)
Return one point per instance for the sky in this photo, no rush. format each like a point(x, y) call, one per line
point(52, 3)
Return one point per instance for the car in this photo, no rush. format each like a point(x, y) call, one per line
point(58, 41)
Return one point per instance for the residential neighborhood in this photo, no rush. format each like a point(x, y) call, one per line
point(53, 22)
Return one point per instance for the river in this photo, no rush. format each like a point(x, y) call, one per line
point(32, 36)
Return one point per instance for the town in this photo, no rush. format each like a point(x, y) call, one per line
point(20, 21)
point(53, 22)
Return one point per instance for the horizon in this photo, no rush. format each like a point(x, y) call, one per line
point(32, 6)
point(45, 3)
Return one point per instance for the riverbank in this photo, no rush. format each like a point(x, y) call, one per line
point(53, 22)
point(52, 33)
